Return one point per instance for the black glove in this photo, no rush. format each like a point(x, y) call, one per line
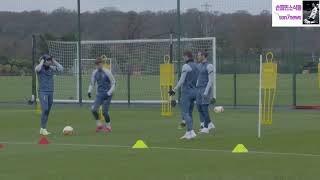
point(46, 57)
point(171, 92)
point(213, 101)
point(89, 95)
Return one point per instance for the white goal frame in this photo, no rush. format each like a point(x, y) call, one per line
point(134, 101)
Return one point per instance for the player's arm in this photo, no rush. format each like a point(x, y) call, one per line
point(112, 80)
point(39, 66)
point(56, 66)
point(210, 70)
point(92, 83)
point(185, 69)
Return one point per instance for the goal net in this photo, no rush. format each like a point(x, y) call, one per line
point(135, 65)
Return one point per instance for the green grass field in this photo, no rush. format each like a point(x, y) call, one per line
point(18, 89)
point(288, 150)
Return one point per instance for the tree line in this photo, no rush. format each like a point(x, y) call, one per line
point(239, 34)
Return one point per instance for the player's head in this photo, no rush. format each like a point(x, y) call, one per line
point(187, 55)
point(199, 57)
point(313, 5)
point(98, 62)
point(202, 55)
point(47, 61)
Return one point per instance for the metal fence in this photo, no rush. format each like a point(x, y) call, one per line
point(237, 80)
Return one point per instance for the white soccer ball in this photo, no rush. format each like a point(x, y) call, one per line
point(68, 131)
point(218, 109)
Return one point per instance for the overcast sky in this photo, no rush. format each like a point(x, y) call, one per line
point(253, 6)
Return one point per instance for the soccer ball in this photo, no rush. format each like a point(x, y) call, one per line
point(68, 131)
point(218, 109)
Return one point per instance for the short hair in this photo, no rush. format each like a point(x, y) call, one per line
point(204, 53)
point(98, 60)
point(188, 53)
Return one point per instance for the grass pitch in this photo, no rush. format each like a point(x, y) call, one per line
point(288, 150)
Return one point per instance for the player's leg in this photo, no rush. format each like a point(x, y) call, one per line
point(191, 108)
point(183, 122)
point(94, 109)
point(192, 100)
point(205, 109)
point(186, 100)
point(206, 116)
point(199, 102)
point(201, 115)
point(43, 97)
point(185, 104)
point(50, 102)
point(210, 121)
point(105, 111)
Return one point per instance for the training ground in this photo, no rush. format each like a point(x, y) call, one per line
point(287, 150)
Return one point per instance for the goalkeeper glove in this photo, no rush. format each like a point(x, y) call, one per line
point(46, 57)
point(171, 92)
point(213, 101)
point(89, 95)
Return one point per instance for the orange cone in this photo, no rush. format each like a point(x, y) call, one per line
point(2, 146)
point(43, 140)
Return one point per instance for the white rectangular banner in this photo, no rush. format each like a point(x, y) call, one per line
point(295, 13)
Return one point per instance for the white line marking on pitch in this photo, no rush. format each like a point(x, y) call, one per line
point(16, 111)
point(168, 148)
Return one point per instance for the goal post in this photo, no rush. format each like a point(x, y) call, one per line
point(135, 65)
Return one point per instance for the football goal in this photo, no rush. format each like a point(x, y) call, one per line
point(135, 65)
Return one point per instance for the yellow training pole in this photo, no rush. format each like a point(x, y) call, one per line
point(38, 106)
